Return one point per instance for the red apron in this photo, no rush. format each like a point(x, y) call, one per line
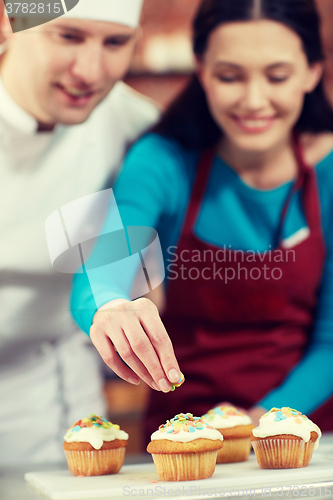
point(238, 339)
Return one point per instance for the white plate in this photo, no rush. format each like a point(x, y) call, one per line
point(141, 481)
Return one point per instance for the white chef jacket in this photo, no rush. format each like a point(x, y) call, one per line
point(49, 371)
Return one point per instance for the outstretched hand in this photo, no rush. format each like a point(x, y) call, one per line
point(134, 331)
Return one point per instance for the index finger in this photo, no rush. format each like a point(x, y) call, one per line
point(158, 336)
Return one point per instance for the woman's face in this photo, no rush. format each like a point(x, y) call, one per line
point(255, 75)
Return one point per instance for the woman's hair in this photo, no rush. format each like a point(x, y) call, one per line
point(188, 119)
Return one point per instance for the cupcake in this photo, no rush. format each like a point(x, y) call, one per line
point(94, 447)
point(284, 439)
point(185, 448)
point(236, 428)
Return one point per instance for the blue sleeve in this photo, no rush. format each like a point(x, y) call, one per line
point(310, 383)
point(147, 188)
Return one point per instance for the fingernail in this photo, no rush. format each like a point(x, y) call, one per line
point(155, 386)
point(164, 385)
point(134, 381)
point(173, 375)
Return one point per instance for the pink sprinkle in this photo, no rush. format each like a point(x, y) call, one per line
point(156, 481)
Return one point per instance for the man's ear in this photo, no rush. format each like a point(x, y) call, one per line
point(315, 75)
point(139, 34)
point(6, 31)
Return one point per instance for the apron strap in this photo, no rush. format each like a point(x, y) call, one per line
point(198, 190)
point(306, 180)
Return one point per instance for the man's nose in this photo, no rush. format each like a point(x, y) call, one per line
point(89, 64)
point(255, 95)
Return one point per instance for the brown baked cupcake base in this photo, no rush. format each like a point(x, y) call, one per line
point(84, 460)
point(178, 461)
point(284, 451)
point(236, 444)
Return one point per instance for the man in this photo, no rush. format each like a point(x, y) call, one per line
point(65, 123)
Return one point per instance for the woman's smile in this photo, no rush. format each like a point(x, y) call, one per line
point(254, 125)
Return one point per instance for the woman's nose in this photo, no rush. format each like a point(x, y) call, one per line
point(255, 95)
point(89, 65)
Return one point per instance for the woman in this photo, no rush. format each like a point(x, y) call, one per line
point(244, 223)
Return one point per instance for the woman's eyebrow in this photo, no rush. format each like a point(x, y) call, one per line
point(282, 64)
point(229, 64)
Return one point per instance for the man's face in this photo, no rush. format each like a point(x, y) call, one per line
point(60, 71)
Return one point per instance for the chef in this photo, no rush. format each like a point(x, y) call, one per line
point(65, 123)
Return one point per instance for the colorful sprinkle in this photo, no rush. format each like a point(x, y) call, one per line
point(93, 421)
point(286, 412)
point(179, 383)
point(224, 412)
point(184, 422)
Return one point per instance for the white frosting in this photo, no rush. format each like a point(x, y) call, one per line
point(94, 435)
point(185, 437)
point(296, 425)
point(220, 422)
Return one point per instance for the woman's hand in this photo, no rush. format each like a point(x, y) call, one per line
point(135, 331)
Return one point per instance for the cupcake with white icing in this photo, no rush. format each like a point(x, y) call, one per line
point(284, 439)
point(236, 429)
point(185, 448)
point(95, 447)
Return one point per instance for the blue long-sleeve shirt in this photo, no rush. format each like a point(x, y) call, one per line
point(153, 190)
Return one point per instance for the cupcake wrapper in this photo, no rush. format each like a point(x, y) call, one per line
point(186, 466)
point(234, 450)
point(95, 463)
point(283, 453)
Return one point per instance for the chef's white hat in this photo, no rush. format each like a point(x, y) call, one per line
point(125, 12)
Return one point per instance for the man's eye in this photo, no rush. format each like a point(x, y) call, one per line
point(116, 42)
point(69, 37)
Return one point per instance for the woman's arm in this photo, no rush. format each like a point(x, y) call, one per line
point(145, 190)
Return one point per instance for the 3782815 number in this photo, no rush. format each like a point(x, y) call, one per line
point(32, 8)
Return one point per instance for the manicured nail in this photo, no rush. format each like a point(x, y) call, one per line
point(134, 381)
point(164, 385)
point(173, 375)
point(155, 386)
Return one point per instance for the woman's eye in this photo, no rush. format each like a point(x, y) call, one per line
point(278, 78)
point(228, 78)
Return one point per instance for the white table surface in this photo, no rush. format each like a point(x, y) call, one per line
point(317, 474)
